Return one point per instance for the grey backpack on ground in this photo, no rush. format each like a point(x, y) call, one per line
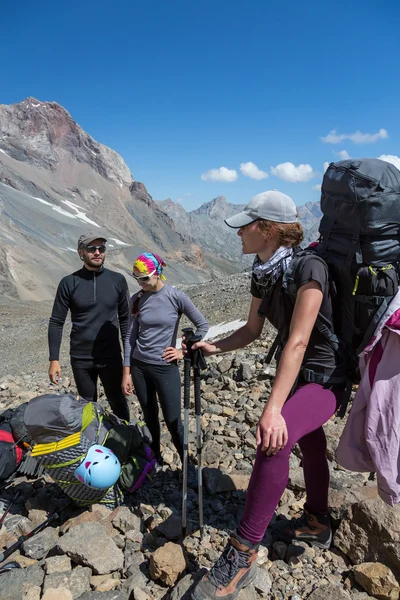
point(63, 427)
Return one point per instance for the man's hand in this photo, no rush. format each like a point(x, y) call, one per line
point(272, 433)
point(55, 372)
point(171, 354)
point(126, 384)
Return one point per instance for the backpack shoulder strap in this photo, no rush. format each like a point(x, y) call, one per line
point(322, 324)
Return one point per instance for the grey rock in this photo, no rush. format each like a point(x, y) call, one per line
point(77, 581)
point(296, 480)
point(89, 545)
point(40, 544)
point(56, 564)
point(136, 581)
point(134, 562)
point(184, 588)
point(15, 582)
point(329, 592)
point(125, 520)
point(262, 582)
point(113, 595)
point(247, 370)
point(248, 593)
point(211, 452)
point(224, 365)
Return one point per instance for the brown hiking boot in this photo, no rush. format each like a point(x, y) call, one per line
point(234, 570)
point(315, 530)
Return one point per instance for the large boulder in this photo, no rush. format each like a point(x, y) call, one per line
point(167, 563)
point(89, 545)
point(378, 580)
point(370, 532)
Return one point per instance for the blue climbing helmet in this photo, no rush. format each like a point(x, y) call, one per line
point(99, 469)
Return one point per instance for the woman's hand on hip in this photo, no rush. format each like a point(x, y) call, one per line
point(171, 354)
point(272, 433)
point(126, 384)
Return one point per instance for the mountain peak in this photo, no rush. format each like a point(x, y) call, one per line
point(215, 208)
point(44, 134)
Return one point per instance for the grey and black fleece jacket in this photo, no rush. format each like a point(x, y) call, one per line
point(98, 302)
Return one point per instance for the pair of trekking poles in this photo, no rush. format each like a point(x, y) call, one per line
point(193, 359)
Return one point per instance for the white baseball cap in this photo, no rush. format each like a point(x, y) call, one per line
point(272, 206)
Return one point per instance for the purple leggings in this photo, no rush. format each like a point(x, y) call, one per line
point(305, 412)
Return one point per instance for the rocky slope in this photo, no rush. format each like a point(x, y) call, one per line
point(135, 553)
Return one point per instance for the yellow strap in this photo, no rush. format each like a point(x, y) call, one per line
point(70, 440)
point(356, 285)
point(88, 414)
point(66, 464)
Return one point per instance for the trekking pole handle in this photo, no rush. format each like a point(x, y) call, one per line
point(189, 341)
point(196, 356)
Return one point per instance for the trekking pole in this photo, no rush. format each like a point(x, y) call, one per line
point(187, 363)
point(196, 359)
point(4, 555)
point(14, 499)
point(198, 364)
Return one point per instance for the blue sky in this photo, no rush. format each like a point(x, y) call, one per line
point(182, 87)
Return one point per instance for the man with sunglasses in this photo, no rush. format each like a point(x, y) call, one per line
point(98, 301)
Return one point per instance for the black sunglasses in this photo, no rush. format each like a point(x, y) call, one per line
point(92, 249)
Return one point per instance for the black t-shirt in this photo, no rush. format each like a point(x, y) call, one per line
point(278, 309)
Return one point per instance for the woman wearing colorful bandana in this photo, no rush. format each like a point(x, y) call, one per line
point(150, 353)
point(296, 408)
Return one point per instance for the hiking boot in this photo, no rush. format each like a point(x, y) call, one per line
point(315, 530)
point(234, 570)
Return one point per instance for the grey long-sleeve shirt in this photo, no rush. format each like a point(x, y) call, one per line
point(156, 326)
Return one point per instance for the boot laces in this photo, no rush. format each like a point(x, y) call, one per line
point(228, 565)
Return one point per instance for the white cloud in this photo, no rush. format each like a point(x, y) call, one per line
point(251, 170)
point(343, 154)
point(391, 158)
point(289, 172)
point(357, 138)
point(188, 194)
point(221, 174)
point(326, 165)
point(317, 187)
point(180, 200)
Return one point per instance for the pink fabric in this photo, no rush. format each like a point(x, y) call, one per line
point(371, 438)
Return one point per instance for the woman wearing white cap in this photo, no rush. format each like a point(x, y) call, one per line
point(298, 406)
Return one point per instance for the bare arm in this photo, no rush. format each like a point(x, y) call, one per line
point(240, 338)
point(305, 313)
point(271, 429)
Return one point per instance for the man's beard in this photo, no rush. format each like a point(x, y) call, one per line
point(91, 263)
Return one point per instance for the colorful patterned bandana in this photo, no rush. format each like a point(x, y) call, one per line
point(148, 262)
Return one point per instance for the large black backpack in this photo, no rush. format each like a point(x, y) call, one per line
point(360, 242)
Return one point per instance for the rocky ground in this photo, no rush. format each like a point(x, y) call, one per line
point(135, 552)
